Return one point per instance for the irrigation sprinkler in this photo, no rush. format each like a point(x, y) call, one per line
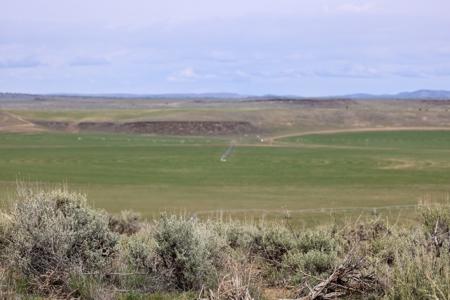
point(224, 157)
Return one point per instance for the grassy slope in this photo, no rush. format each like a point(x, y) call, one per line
point(130, 114)
point(273, 120)
point(78, 115)
point(150, 174)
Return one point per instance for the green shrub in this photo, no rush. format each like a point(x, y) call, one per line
point(421, 268)
point(54, 245)
point(184, 256)
point(435, 214)
point(139, 252)
point(5, 230)
point(320, 239)
point(213, 239)
point(56, 234)
point(370, 237)
point(174, 253)
point(139, 263)
point(313, 256)
point(420, 275)
point(272, 242)
point(299, 267)
point(238, 235)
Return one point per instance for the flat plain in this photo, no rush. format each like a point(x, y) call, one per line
point(302, 168)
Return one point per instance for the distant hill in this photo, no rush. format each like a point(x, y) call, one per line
point(420, 94)
point(159, 96)
point(425, 94)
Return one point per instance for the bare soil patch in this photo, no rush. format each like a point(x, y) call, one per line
point(11, 123)
point(395, 164)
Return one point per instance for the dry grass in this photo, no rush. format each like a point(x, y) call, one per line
point(274, 117)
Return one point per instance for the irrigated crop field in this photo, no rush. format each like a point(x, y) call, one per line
point(316, 156)
point(344, 172)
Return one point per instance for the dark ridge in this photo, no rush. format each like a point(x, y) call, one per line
point(186, 128)
point(436, 102)
point(317, 103)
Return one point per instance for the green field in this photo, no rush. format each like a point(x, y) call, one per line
point(413, 140)
point(345, 172)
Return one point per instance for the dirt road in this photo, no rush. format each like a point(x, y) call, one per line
point(11, 123)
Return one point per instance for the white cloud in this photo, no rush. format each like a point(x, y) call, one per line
point(242, 74)
point(408, 71)
point(293, 73)
point(348, 70)
point(24, 62)
point(241, 46)
point(188, 74)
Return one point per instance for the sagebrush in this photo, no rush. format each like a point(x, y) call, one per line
point(54, 245)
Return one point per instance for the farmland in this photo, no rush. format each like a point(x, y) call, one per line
point(314, 158)
point(344, 172)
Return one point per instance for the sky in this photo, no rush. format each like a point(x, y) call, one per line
point(250, 47)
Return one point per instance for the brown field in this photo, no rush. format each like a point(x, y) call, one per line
point(270, 116)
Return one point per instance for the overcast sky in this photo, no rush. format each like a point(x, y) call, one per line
point(299, 47)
